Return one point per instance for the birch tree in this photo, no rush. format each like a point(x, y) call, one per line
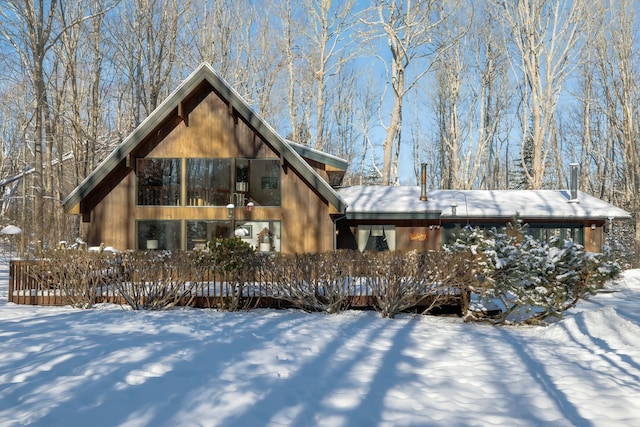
point(543, 39)
point(490, 98)
point(329, 25)
point(407, 27)
point(144, 36)
point(617, 61)
point(296, 72)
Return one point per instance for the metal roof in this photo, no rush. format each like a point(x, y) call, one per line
point(378, 202)
point(319, 156)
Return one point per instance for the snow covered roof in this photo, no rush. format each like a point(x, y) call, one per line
point(381, 202)
point(319, 156)
point(171, 106)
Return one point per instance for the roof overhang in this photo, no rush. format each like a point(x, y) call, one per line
point(319, 156)
point(395, 216)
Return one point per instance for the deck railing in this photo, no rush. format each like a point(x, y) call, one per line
point(30, 283)
point(27, 286)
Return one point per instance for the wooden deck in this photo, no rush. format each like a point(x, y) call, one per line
point(28, 285)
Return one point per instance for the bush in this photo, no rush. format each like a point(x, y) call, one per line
point(313, 282)
point(232, 264)
point(157, 280)
point(429, 280)
point(78, 276)
point(531, 280)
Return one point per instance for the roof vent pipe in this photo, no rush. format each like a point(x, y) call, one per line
point(574, 182)
point(423, 182)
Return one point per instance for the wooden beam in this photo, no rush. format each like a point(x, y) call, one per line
point(182, 113)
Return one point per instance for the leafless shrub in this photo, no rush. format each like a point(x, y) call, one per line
point(395, 281)
point(449, 278)
point(157, 280)
point(231, 277)
point(273, 274)
point(77, 276)
point(425, 280)
point(316, 282)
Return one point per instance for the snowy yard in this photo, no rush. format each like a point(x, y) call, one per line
point(189, 367)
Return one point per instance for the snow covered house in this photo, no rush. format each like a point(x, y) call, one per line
point(412, 218)
point(205, 165)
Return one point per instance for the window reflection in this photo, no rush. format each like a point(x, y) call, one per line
point(556, 235)
point(264, 182)
point(159, 182)
point(208, 182)
point(254, 180)
point(264, 236)
point(200, 232)
point(153, 234)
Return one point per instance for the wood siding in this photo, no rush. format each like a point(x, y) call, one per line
point(593, 239)
point(212, 130)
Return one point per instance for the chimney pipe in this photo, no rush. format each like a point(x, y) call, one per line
point(423, 182)
point(574, 182)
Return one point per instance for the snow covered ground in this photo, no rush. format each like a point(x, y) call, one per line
point(188, 367)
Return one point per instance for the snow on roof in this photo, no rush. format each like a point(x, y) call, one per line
point(543, 204)
point(321, 156)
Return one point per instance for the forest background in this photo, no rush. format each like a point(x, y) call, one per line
point(490, 94)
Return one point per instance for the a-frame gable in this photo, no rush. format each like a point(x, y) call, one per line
point(174, 105)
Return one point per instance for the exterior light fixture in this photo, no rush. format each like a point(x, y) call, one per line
point(230, 208)
point(593, 226)
point(454, 206)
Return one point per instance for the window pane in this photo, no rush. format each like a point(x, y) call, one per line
point(551, 233)
point(158, 182)
point(159, 235)
point(263, 236)
point(535, 232)
point(208, 182)
point(200, 232)
point(264, 182)
point(376, 238)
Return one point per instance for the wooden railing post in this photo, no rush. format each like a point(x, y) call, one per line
point(12, 266)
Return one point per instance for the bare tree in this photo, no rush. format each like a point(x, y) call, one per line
point(296, 71)
point(617, 63)
point(264, 66)
point(543, 39)
point(144, 37)
point(34, 29)
point(29, 27)
point(365, 106)
point(408, 28)
point(328, 29)
point(489, 101)
point(77, 97)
